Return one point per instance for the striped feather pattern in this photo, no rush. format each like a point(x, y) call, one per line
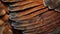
point(33, 17)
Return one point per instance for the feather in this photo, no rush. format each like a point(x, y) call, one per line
point(52, 4)
point(33, 17)
point(12, 0)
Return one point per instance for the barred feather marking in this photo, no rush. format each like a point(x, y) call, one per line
point(35, 20)
point(25, 6)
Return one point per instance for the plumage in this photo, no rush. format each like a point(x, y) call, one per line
point(11, 0)
point(32, 17)
point(4, 28)
point(52, 4)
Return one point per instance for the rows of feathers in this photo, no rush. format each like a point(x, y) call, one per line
point(31, 16)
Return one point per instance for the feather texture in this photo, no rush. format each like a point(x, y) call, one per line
point(33, 17)
point(3, 19)
point(52, 4)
